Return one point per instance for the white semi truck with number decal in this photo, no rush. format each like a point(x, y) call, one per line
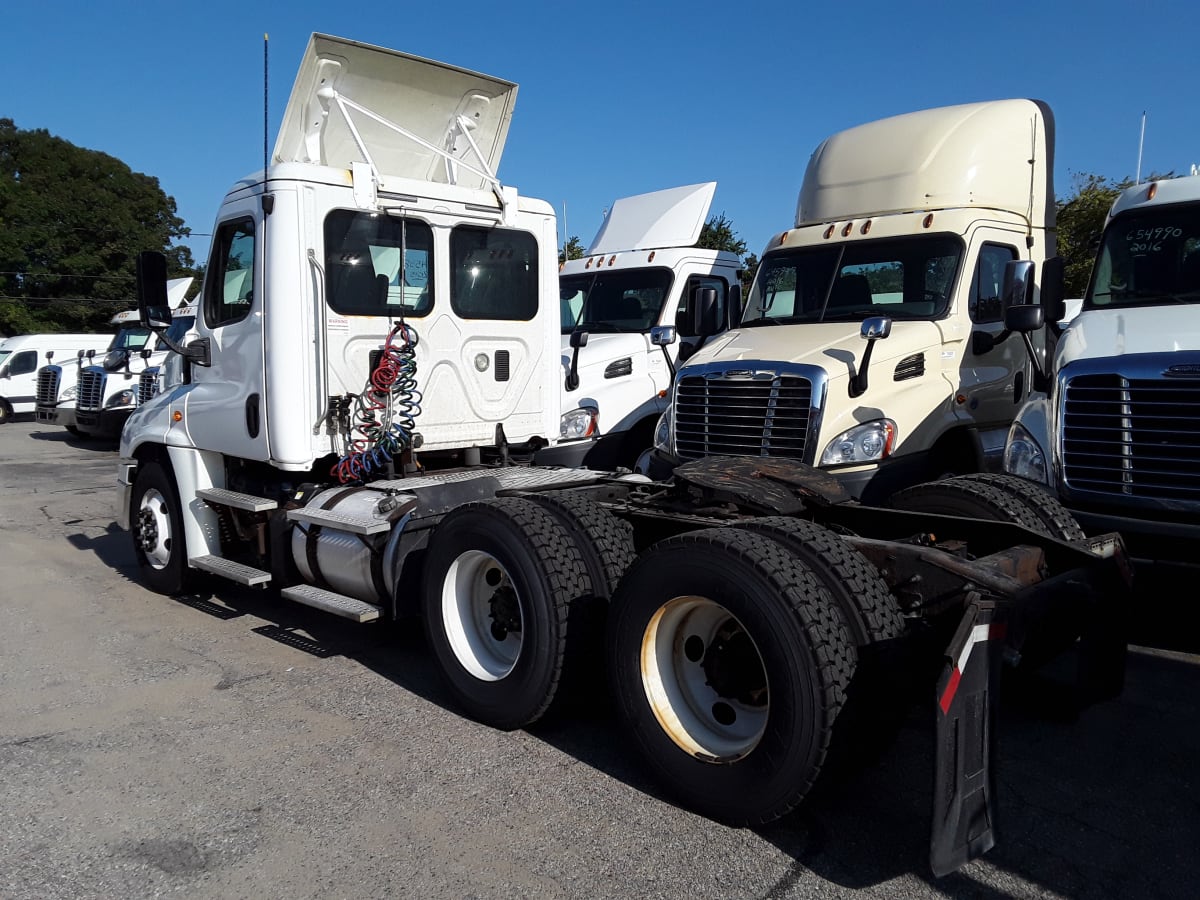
point(622, 304)
point(1115, 435)
point(872, 343)
point(375, 357)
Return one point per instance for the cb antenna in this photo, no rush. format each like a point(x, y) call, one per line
point(266, 125)
point(1141, 141)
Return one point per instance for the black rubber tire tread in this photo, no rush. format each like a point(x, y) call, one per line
point(6, 412)
point(175, 577)
point(542, 674)
point(1056, 520)
point(871, 612)
point(809, 642)
point(605, 541)
point(961, 496)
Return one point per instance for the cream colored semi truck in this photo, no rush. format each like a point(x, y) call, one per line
point(872, 342)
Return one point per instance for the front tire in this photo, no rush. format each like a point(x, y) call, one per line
point(6, 412)
point(500, 580)
point(156, 520)
point(729, 665)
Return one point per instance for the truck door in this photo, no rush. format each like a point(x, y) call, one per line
point(225, 409)
point(993, 382)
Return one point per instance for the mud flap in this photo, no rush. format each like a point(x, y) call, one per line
point(964, 780)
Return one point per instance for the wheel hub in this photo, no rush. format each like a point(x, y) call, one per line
point(147, 530)
point(732, 667)
point(505, 612)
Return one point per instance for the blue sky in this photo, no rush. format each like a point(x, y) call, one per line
point(615, 98)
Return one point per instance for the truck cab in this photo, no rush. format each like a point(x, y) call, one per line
point(1116, 433)
point(624, 322)
point(872, 343)
point(108, 391)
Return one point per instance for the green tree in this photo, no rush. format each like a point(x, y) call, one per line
point(718, 234)
point(72, 222)
point(572, 250)
point(1080, 219)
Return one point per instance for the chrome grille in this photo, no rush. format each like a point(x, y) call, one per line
point(742, 416)
point(147, 385)
point(47, 385)
point(91, 389)
point(1136, 437)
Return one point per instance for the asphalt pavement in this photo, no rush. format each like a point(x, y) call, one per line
point(230, 744)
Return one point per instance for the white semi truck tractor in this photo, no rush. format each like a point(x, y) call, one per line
point(1115, 434)
point(375, 357)
point(872, 343)
point(622, 304)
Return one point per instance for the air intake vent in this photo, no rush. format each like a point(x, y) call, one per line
point(910, 367)
point(619, 368)
point(47, 385)
point(502, 365)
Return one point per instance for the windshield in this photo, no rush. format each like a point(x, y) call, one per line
point(630, 301)
point(905, 278)
point(130, 339)
point(4, 355)
point(1148, 258)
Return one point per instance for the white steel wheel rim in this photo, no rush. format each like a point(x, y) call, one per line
point(694, 714)
point(153, 511)
point(469, 589)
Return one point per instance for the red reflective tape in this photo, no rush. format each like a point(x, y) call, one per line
point(948, 694)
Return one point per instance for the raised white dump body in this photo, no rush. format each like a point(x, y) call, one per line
point(634, 280)
point(1117, 435)
point(911, 219)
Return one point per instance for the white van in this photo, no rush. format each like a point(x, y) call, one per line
point(22, 356)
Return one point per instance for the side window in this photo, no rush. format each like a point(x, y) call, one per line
point(493, 273)
point(229, 291)
point(23, 363)
point(378, 265)
point(984, 304)
point(694, 283)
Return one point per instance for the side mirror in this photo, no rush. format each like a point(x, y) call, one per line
point(1052, 289)
point(876, 328)
point(145, 353)
point(79, 355)
point(1018, 283)
point(702, 313)
point(90, 355)
point(1024, 319)
point(579, 338)
point(49, 357)
point(734, 313)
point(662, 335)
point(153, 308)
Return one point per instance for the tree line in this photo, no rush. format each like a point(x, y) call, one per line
point(72, 221)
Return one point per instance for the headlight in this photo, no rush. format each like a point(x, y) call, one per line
point(578, 423)
point(663, 438)
point(125, 398)
point(863, 443)
point(1023, 456)
point(68, 393)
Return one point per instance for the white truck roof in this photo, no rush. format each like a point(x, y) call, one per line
point(349, 98)
point(997, 154)
point(667, 218)
point(1157, 193)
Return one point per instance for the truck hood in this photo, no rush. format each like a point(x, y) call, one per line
point(837, 347)
point(1101, 333)
point(434, 104)
point(601, 350)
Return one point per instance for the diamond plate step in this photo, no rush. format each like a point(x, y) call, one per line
point(340, 521)
point(338, 604)
point(234, 571)
point(248, 502)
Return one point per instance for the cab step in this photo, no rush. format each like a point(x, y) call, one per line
point(338, 604)
point(339, 521)
point(234, 500)
point(234, 571)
